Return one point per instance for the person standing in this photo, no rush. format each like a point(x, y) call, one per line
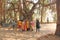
point(13, 24)
point(37, 25)
point(20, 24)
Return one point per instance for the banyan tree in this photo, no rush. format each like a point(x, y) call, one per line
point(46, 10)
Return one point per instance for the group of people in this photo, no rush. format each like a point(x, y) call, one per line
point(23, 25)
point(26, 25)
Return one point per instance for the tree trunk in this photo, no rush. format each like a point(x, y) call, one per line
point(58, 18)
point(0, 10)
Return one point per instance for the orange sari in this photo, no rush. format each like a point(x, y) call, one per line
point(25, 25)
point(19, 24)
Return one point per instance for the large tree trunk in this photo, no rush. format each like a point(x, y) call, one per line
point(58, 18)
point(0, 9)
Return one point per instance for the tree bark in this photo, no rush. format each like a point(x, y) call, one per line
point(58, 18)
point(0, 10)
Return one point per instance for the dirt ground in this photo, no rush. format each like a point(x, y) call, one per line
point(49, 37)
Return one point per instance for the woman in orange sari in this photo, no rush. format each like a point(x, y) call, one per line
point(19, 24)
point(25, 25)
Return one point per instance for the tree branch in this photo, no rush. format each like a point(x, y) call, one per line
point(49, 4)
point(24, 6)
point(34, 6)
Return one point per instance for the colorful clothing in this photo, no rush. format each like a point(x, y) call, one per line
point(19, 24)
